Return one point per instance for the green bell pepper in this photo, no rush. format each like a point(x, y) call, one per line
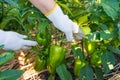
point(40, 63)
point(90, 46)
point(78, 64)
point(56, 57)
point(43, 38)
point(96, 58)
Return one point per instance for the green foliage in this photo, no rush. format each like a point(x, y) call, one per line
point(113, 49)
point(10, 74)
point(99, 20)
point(108, 61)
point(77, 52)
point(86, 73)
point(63, 72)
point(12, 2)
point(22, 16)
point(102, 17)
point(1, 46)
point(6, 56)
point(98, 73)
point(118, 25)
point(110, 7)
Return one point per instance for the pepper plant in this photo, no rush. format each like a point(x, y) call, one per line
point(99, 20)
point(92, 58)
point(12, 74)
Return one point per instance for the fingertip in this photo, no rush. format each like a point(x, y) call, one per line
point(26, 47)
point(35, 43)
point(30, 43)
point(22, 36)
point(69, 36)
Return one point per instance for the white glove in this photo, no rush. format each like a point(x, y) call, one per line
point(14, 41)
point(63, 23)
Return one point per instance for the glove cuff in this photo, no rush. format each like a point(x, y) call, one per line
point(55, 14)
point(52, 10)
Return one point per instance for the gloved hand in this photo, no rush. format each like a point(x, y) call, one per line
point(14, 41)
point(63, 23)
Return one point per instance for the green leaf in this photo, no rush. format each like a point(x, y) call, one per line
point(14, 12)
point(2, 1)
point(22, 3)
point(12, 2)
point(86, 73)
point(43, 25)
point(111, 7)
point(106, 34)
point(63, 73)
point(6, 56)
point(77, 51)
point(5, 21)
point(108, 61)
point(10, 74)
point(51, 77)
point(31, 20)
point(77, 13)
point(95, 36)
point(103, 26)
point(83, 19)
point(65, 7)
point(118, 30)
point(1, 46)
point(114, 50)
point(99, 73)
